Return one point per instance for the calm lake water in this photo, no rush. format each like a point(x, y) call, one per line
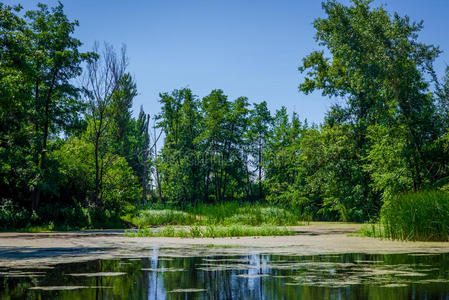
point(256, 276)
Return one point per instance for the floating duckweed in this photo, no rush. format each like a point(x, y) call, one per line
point(191, 290)
point(58, 288)
point(163, 270)
point(99, 274)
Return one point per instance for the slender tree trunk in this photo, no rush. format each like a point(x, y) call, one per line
point(206, 189)
point(418, 160)
point(224, 173)
point(36, 124)
point(225, 180)
point(37, 195)
point(218, 177)
point(100, 200)
point(97, 162)
point(145, 161)
point(260, 169)
point(144, 182)
point(158, 181)
point(37, 192)
point(34, 197)
point(97, 170)
point(248, 183)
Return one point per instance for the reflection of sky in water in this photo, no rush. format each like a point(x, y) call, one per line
point(156, 283)
point(173, 274)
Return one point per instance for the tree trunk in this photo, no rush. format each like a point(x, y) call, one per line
point(259, 165)
point(98, 168)
point(37, 191)
point(145, 162)
point(158, 181)
point(248, 182)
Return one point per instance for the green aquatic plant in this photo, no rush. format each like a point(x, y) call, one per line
point(228, 213)
point(157, 217)
point(420, 216)
point(212, 231)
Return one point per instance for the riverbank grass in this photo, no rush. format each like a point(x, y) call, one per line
point(211, 231)
point(421, 216)
point(228, 213)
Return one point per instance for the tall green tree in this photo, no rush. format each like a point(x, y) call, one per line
point(43, 57)
point(16, 104)
point(376, 62)
point(214, 108)
point(181, 157)
point(260, 123)
point(141, 152)
point(55, 61)
point(282, 161)
point(121, 106)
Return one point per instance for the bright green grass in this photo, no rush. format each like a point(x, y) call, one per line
point(230, 213)
point(155, 217)
point(212, 231)
point(371, 230)
point(422, 216)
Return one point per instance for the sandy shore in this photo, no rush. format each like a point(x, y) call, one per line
point(45, 249)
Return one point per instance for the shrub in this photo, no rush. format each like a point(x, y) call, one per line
point(12, 216)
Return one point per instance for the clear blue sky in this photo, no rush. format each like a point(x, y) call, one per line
point(246, 48)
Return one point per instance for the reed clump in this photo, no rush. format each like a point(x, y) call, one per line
point(420, 216)
point(211, 231)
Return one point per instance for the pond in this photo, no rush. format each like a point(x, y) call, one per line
point(161, 275)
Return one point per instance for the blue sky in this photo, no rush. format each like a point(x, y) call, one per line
point(246, 48)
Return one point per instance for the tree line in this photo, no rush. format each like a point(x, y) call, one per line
point(69, 139)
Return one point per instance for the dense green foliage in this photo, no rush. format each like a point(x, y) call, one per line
point(75, 154)
point(389, 129)
point(69, 155)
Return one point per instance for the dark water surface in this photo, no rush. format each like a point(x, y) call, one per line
point(255, 276)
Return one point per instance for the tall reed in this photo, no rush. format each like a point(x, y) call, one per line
point(421, 216)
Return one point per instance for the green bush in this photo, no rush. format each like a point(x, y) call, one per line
point(63, 216)
point(56, 217)
point(422, 216)
point(12, 216)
